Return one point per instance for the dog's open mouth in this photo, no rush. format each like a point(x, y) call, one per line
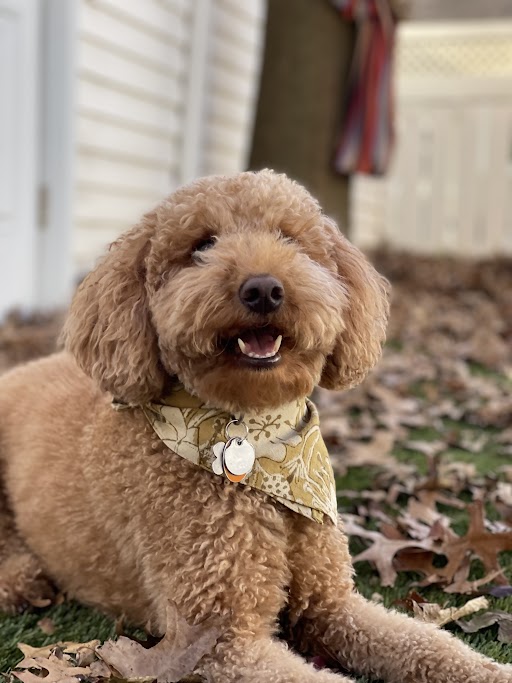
point(257, 347)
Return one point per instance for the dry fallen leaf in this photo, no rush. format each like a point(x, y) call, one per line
point(478, 541)
point(374, 452)
point(176, 655)
point(501, 498)
point(463, 585)
point(417, 560)
point(430, 448)
point(481, 621)
point(55, 669)
point(383, 550)
point(421, 509)
point(435, 614)
point(78, 650)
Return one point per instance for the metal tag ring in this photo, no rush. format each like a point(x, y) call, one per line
point(238, 423)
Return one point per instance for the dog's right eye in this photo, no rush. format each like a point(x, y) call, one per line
point(203, 245)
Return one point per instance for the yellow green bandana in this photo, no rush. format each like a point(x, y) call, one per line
point(291, 460)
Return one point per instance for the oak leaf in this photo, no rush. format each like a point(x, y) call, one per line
point(176, 655)
point(383, 550)
point(477, 541)
point(79, 652)
point(481, 621)
point(55, 669)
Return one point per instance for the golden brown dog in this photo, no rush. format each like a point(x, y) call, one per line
point(94, 500)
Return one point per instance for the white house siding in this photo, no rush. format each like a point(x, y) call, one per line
point(132, 77)
point(449, 189)
point(236, 40)
point(136, 62)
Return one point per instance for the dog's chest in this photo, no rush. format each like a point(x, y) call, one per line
point(183, 527)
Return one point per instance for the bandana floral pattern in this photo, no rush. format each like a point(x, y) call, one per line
point(292, 463)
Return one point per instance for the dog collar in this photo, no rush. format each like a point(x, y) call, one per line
point(282, 451)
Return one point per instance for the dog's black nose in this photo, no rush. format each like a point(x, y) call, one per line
point(262, 294)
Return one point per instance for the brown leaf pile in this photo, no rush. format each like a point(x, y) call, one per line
point(446, 372)
point(172, 660)
point(23, 338)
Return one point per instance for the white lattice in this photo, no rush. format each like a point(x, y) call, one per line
point(474, 49)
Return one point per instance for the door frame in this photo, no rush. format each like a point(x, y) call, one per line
point(58, 73)
point(19, 121)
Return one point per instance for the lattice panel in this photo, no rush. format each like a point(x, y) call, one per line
point(468, 49)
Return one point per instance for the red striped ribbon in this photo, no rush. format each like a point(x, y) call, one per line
point(367, 132)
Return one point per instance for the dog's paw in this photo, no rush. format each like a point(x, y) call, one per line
point(23, 586)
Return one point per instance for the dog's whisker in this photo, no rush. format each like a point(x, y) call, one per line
point(221, 350)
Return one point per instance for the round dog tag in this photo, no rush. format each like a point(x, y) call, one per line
point(238, 457)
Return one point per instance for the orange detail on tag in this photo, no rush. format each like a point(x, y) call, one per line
point(233, 477)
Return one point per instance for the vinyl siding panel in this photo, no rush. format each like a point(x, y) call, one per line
point(104, 173)
point(134, 72)
point(236, 47)
point(132, 78)
point(135, 45)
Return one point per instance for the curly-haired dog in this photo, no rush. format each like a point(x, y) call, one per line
point(243, 290)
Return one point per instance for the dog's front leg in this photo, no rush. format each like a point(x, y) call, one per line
point(263, 660)
point(365, 637)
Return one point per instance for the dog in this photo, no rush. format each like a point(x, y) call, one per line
point(242, 293)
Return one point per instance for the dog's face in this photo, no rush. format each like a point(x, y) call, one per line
point(238, 286)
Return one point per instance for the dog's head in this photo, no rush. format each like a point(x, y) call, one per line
point(238, 286)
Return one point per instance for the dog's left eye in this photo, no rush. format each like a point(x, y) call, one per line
point(203, 245)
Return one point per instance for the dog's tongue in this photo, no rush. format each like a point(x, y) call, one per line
point(259, 342)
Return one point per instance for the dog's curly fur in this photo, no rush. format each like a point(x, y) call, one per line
point(93, 500)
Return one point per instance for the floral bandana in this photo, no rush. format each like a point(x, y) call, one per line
point(292, 463)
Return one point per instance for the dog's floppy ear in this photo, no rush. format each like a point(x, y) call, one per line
point(359, 346)
point(109, 329)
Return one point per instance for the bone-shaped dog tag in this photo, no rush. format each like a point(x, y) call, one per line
point(218, 463)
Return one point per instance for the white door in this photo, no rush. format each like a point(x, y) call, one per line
point(18, 152)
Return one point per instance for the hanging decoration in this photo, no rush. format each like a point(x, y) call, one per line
point(367, 134)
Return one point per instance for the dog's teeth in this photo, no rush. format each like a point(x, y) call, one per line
point(251, 354)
